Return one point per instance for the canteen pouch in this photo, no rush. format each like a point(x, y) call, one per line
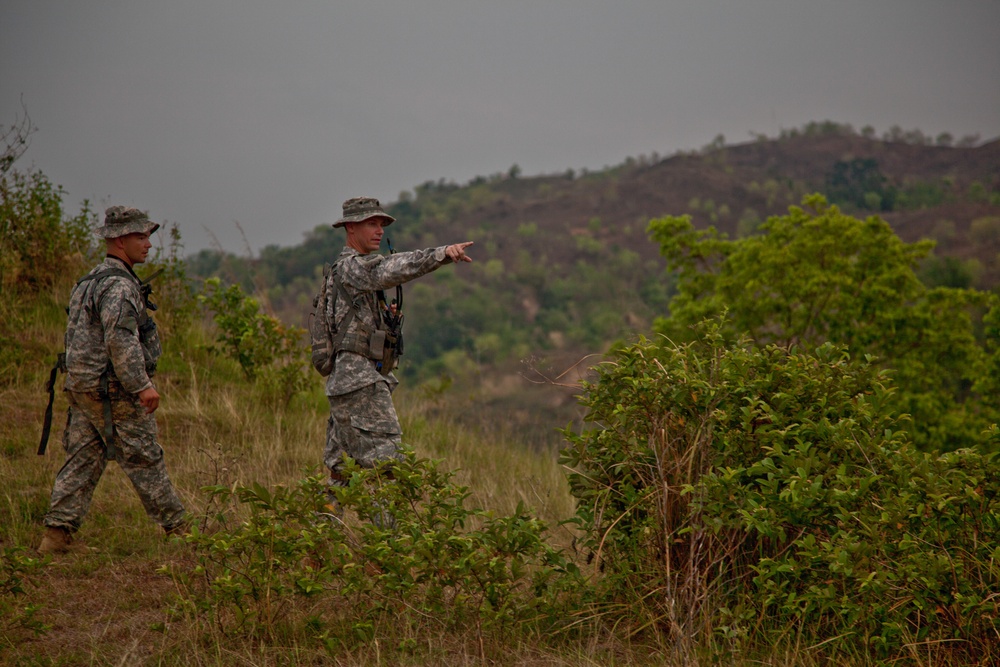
point(376, 345)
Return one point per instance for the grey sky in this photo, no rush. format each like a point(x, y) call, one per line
point(271, 114)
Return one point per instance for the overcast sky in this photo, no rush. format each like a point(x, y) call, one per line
point(210, 113)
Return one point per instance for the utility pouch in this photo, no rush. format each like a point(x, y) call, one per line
point(108, 434)
point(390, 359)
point(147, 330)
point(376, 345)
point(149, 340)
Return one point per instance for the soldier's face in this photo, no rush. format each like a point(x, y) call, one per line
point(365, 236)
point(136, 247)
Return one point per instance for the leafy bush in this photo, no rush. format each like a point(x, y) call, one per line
point(418, 556)
point(41, 252)
point(922, 195)
point(35, 237)
point(817, 275)
point(261, 344)
point(860, 183)
point(742, 497)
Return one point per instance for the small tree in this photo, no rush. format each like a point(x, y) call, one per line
point(817, 275)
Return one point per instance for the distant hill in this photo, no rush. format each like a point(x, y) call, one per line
point(563, 267)
point(731, 187)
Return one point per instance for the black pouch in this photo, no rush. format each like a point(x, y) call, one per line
point(376, 345)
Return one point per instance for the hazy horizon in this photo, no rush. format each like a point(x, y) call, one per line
point(268, 116)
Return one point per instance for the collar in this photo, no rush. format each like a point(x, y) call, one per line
point(124, 265)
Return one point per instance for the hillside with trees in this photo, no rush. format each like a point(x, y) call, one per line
point(565, 266)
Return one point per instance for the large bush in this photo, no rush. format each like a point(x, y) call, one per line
point(734, 494)
point(817, 275)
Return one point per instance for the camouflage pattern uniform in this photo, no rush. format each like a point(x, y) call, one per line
point(363, 422)
point(106, 316)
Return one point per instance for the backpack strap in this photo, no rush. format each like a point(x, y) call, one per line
point(365, 343)
point(351, 315)
point(110, 452)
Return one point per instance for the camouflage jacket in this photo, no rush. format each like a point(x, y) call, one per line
point(362, 276)
point(108, 325)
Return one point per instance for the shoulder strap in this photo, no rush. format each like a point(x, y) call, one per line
point(113, 271)
point(353, 312)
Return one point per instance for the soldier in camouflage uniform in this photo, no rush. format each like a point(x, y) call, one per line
point(363, 422)
point(111, 352)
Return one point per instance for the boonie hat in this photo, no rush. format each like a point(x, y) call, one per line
point(358, 209)
point(122, 220)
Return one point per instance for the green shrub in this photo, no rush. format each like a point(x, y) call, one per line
point(35, 237)
point(817, 275)
point(264, 347)
point(41, 252)
point(416, 556)
point(742, 497)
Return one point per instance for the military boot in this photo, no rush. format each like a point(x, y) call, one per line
point(58, 540)
point(332, 511)
point(180, 530)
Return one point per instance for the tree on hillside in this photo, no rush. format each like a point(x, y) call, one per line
point(817, 275)
point(861, 184)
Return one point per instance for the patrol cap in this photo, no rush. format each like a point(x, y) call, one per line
point(358, 209)
point(122, 220)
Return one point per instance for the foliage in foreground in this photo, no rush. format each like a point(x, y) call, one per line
point(742, 497)
point(384, 560)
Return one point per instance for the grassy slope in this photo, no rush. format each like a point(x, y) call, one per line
point(111, 606)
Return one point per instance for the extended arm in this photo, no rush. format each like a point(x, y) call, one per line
point(380, 272)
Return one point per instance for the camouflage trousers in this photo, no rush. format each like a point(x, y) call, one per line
point(136, 450)
point(364, 426)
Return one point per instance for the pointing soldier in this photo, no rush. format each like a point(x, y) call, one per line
point(111, 352)
point(363, 422)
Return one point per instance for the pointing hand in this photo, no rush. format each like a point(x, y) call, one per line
point(456, 252)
